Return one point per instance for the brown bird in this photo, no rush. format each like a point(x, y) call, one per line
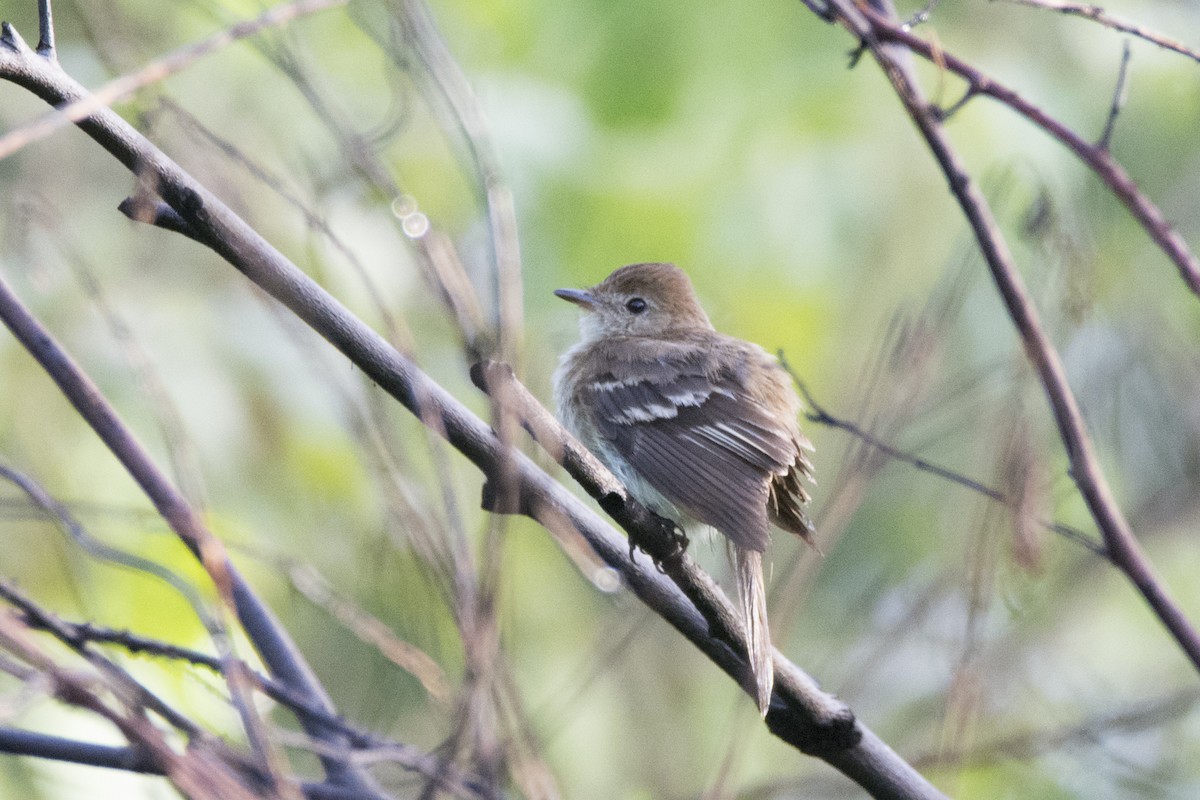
point(700, 427)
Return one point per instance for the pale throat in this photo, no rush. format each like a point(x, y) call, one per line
point(590, 328)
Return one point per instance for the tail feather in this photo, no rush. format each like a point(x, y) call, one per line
point(752, 593)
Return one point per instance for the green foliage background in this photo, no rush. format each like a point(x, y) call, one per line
point(735, 141)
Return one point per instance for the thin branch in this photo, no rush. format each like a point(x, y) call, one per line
point(46, 30)
point(115, 674)
point(198, 773)
point(444, 76)
point(1124, 550)
point(371, 630)
point(78, 635)
point(56, 748)
point(268, 635)
point(1120, 95)
point(84, 106)
point(871, 26)
point(98, 549)
point(127, 758)
point(1098, 14)
point(800, 714)
point(1029, 745)
point(436, 254)
point(821, 416)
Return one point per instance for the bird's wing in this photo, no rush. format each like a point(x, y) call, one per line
point(704, 443)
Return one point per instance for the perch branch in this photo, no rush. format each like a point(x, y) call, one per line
point(827, 730)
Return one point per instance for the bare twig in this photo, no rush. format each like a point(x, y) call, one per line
point(199, 773)
point(821, 416)
point(872, 26)
point(37, 617)
point(155, 71)
point(129, 758)
point(1120, 95)
point(371, 630)
point(268, 635)
point(1037, 744)
point(46, 30)
point(1098, 14)
point(436, 254)
point(443, 76)
point(875, 27)
point(79, 635)
point(98, 549)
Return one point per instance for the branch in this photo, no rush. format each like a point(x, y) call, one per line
point(874, 30)
point(826, 729)
point(99, 550)
point(445, 78)
point(117, 676)
point(821, 416)
point(83, 106)
point(79, 636)
point(1120, 96)
point(1098, 14)
point(199, 773)
point(268, 635)
point(128, 758)
point(872, 26)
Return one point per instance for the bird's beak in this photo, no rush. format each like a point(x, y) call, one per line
point(580, 297)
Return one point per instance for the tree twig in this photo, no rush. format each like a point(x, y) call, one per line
point(83, 106)
point(1098, 14)
point(821, 416)
point(1120, 94)
point(872, 26)
point(889, 44)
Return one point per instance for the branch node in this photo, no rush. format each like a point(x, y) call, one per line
point(827, 737)
point(857, 53)
point(45, 46)
point(11, 39)
point(944, 114)
point(141, 208)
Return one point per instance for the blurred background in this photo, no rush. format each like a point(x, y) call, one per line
point(1002, 658)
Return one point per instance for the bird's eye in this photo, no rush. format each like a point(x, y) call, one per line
point(636, 306)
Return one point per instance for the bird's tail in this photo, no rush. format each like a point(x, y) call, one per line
point(752, 592)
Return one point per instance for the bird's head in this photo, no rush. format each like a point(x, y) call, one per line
point(655, 300)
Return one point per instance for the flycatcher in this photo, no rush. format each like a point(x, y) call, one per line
point(699, 426)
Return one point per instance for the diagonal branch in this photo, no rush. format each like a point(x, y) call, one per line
point(270, 638)
point(821, 416)
point(800, 714)
point(875, 30)
point(1099, 15)
point(120, 88)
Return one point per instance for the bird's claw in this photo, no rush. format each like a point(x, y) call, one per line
point(665, 546)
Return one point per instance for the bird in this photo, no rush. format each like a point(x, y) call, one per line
point(702, 428)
